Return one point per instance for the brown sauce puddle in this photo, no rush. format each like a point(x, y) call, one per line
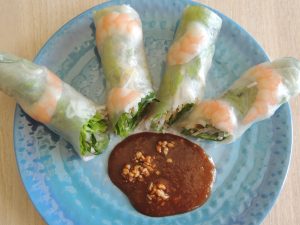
point(161, 174)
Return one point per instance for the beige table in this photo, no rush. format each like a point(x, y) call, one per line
point(25, 25)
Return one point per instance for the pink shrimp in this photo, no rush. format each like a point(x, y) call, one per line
point(187, 46)
point(218, 113)
point(120, 23)
point(268, 82)
point(45, 107)
point(119, 98)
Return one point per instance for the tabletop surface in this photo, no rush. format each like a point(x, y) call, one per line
point(25, 27)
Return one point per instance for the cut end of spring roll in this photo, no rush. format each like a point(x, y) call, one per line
point(127, 121)
point(166, 118)
point(211, 120)
point(255, 96)
point(49, 100)
point(93, 135)
point(208, 132)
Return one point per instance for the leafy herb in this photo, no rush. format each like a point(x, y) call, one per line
point(158, 124)
point(128, 121)
point(207, 133)
point(93, 136)
point(176, 115)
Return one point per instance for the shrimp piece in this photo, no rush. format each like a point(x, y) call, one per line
point(121, 19)
point(108, 20)
point(268, 82)
point(189, 45)
point(45, 107)
point(120, 98)
point(219, 114)
point(117, 23)
point(134, 27)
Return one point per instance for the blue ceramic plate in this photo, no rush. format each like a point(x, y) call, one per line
point(66, 190)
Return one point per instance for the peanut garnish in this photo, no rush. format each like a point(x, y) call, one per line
point(166, 151)
point(158, 148)
point(162, 186)
point(157, 193)
point(125, 171)
point(143, 166)
point(170, 145)
point(169, 160)
point(164, 147)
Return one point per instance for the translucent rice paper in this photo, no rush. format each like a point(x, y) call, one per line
point(188, 61)
point(255, 96)
point(47, 99)
point(119, 40)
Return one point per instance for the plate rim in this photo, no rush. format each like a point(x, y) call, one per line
point(46, 44)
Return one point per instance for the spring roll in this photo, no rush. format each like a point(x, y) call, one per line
point(119, 41)
point(188, 61)
point(49, 100)
point(255, 96)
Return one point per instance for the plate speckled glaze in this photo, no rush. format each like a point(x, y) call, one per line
point(66, 190)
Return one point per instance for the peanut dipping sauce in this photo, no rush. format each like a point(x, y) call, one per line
point(161, 174)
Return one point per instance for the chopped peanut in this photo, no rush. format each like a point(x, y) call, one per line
point(164, 147)
point(169, 160)
point(157, 193)
point(142, 167)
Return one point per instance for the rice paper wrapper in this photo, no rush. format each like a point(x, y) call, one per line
point(47, 99)
point(188, 61)
point(255, 96)
point(119, 40)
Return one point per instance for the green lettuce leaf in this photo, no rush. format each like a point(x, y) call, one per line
point(93, 136)
point(241, 98)
point(158, 124)
point(128, 121)
point(207, 133)
point(176, 116)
